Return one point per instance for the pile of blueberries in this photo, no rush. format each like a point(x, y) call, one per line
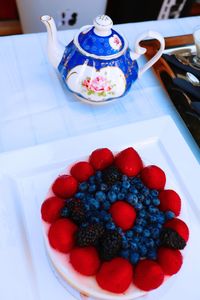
point(98, 193)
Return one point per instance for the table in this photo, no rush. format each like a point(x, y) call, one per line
point(34, 108)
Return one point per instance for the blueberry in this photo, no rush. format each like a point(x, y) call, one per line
point(112, 196)
point(94, 203)
point(98, 175)
point(135, 239)
point(134, 258)
point(124, 254)
point(150, 243)
point(120, 196)
point(141, 197)
point(133, 190)
point(83, 186)
point(92, 179)
point(124, 177)
point(156, 201)
point(107, 217)
point(132, 199)
point(80, 195)
point(138, 206)
point(138, 228)
point(95, 219)
point(129, 233)
point(161, 218)
point(154, 193)
point(103, 187)
point(133, 246)
point(106, 205)
point(169, 215)
point(151, 254)
point(152, 209)
point(145, 191)
point(125, 184)
point(110, 225)
point(125, 244)
point(155, 233)
point(142, 250)
point(146, 233)
point(147, 201)
point(92, 188)
point(142, 213)
point(100, 196)
point(115, 188)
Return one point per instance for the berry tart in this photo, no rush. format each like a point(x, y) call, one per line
point(112, 229)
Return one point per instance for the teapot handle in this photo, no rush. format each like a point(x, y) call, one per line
point(141, 50)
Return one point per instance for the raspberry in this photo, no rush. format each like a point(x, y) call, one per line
point(115, 276)
point(82, 171)
point(129, 162)
point(170, 260)
point(85, 260)
point(179, 226)
point(123, 214)
point(65, 186)
point(153, 177)
point(61, 235)
point(148, 275)
point(101, 158)
point(170, 201)
point(50, 209)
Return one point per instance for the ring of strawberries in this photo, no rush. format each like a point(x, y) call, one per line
point(113, 216)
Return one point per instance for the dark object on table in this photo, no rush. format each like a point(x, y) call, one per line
point(144, 10)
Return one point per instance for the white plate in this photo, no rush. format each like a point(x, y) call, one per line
point(28, 173)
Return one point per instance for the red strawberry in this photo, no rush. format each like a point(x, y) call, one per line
point(85, 260)
point(129, 162)
point(116, 275)
point(61, 235)
point(170, 260)
point(153, 177)
point(170, 200)
point(148, 275)
point(123, 214)
point(65, 186)
point(101, 158)
point(179, 226)
point(82, 171)
point(50, 209)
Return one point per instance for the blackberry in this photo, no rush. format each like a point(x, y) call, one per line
point(76, 210)
point(110, 175)
point(170, 238)
point(111, 243)
point(89, 236)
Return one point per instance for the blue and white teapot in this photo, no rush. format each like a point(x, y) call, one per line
point(98, 64)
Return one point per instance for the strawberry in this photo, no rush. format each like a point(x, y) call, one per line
point(85, 260)
point(116, 275)
point(148, 275)
point(50, 209)
point(153, 177)
point(129, 162)
point(170, 260)
point(62, 235)
point(179, 226)
point(170, 200)
point(123, 214)
point(101, 158)
point(65, 186)
point(82, 171)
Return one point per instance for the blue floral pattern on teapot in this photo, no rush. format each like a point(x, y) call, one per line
point(98, 65)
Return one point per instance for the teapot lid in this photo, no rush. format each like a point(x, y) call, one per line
point(100, 40)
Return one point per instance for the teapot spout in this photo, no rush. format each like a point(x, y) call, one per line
point(54, 48)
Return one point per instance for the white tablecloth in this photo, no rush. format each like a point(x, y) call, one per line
point(35, 109)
